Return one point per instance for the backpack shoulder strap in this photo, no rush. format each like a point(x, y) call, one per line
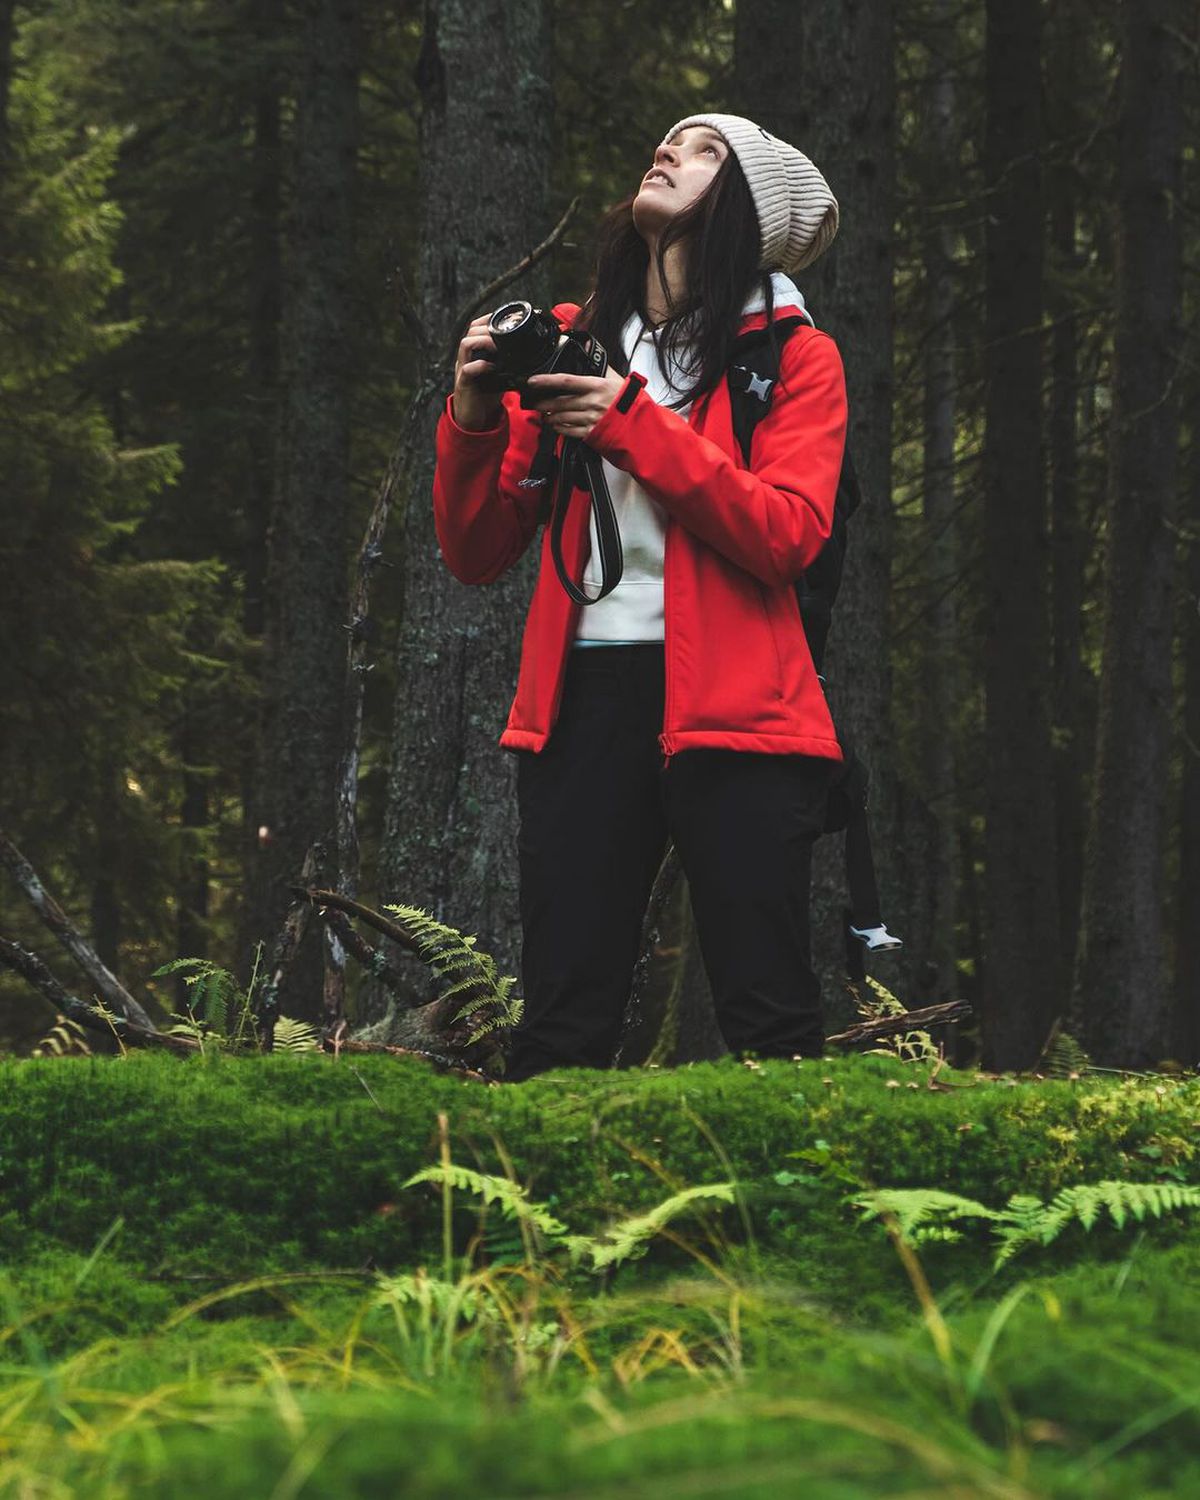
point(752, 374)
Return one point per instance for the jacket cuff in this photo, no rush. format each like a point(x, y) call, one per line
point(629, 392)
point(474, 432)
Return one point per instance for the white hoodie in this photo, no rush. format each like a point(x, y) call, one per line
point(633, 612)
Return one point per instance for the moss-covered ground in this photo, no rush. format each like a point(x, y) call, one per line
point(215, 1280)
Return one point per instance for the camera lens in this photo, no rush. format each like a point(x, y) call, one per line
point(525, 337)
point(508, 319)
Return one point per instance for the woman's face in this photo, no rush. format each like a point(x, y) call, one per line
point(682, 172)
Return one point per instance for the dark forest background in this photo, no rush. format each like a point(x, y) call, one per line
point(235, 240)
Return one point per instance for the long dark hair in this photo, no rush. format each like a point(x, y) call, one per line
point(720, 236)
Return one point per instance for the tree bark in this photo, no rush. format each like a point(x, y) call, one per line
point(822, 77)
point(191, 901)
point(1068, 39)
point(1022, 988)
point(304, 660)
point(942, 689)
point(450, 829)
point(263, 284)
point(1121, 983)
point(1186, 1033)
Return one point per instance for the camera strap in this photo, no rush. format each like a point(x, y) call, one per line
point(580, 467)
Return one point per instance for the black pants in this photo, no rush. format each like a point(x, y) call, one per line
point(596, 809)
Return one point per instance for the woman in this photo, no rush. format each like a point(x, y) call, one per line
point(684, 704)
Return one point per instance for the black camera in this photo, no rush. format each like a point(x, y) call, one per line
point(528, 342)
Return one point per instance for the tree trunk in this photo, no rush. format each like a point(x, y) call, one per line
point(1068, 536)
point(305, 656)
point(821, 76)
point(8, 28)
point(191, 902)
point(265, 275)
point(942, 690)
point(1185, 1046)
point(1186, 1030)
point(1122, 988)
point(450, 832)
point(1022, 990)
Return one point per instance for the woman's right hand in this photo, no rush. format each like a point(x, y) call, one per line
point(475, 409)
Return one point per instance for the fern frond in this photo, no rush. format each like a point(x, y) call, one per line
point(64, 1037)
point(631, 1236)
point(1029, 1221)
point(914, 1207)
point(295, 1036)
point(510, 1197)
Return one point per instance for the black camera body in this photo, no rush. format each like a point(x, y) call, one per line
point(529, 342)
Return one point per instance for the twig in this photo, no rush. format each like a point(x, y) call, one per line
point(482, 298)
point(113, 992)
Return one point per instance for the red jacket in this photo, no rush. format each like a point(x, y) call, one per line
point(739, 675)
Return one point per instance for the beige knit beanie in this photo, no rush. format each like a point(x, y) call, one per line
point(797, 212)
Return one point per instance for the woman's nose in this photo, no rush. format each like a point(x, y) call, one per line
point(665, 153)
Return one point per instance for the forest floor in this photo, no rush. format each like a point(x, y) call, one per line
point(219, 1275)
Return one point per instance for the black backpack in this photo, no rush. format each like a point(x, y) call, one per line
point(752, 379)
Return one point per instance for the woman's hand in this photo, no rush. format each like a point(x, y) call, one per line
point(580, 403)
point(473, 408)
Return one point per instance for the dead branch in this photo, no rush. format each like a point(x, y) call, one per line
point(110, 988)
point(315, 896)
point(372, 959)
point(32, 968)
point(483, 297)
point(931, 1015)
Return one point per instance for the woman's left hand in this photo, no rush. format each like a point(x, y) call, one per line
point(579, 403)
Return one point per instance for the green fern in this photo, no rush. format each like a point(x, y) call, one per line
point(64, 1037)
point(291, 1035)
point(451, 955)
point(1064, 1057)
point(219, 1008)
point(911, 1046)
point(915, 1208)
point(1085, 1202)
point(510, 1197)
point(632, 1236)
point(924, 1214)
point(622, 1241)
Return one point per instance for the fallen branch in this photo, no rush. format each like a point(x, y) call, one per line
point(110, 988)
point(931, 1015)
point(31, 968)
